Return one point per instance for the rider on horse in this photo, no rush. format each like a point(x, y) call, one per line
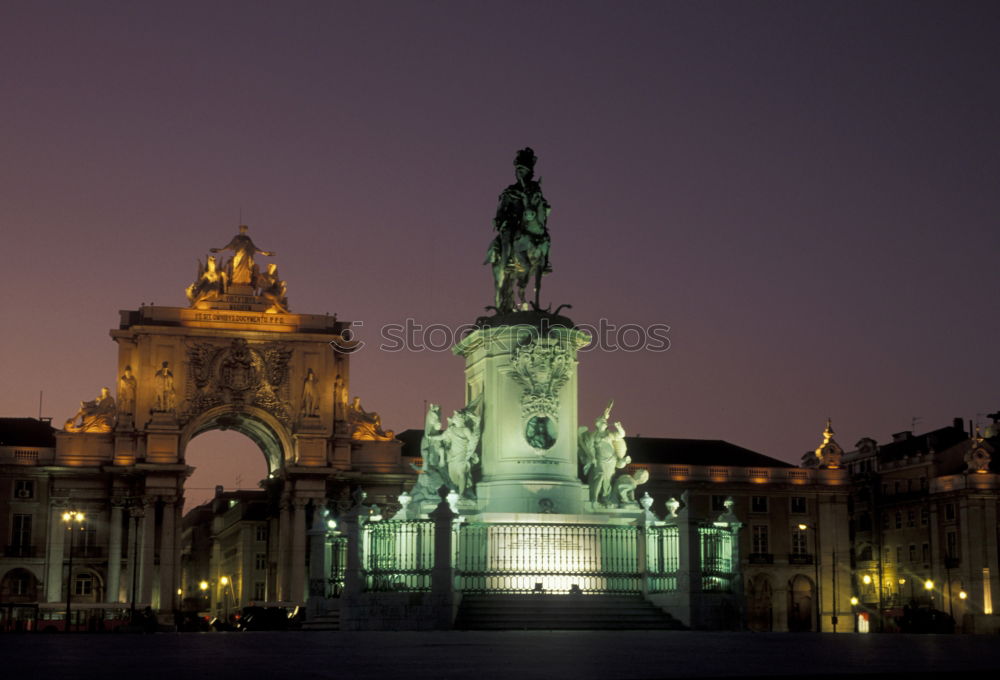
point(520, 251)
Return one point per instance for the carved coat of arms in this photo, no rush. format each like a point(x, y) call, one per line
point(239, 374)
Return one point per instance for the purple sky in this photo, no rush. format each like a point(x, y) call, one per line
point(807, 193)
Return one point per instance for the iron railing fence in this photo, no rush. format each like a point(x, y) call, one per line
point(398, 555)
point(338, 565)
point(551, 558)
point(662, 558)
point(717, 562)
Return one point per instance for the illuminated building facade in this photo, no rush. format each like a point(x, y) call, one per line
point(924, 526)
point(236, 358)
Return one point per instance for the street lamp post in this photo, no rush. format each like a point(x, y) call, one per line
point(68, 518)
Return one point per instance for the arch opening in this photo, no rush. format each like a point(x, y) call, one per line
point(226, 449)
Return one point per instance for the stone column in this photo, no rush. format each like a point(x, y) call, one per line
point(113, 589)
point(443, 573)
point(57, 540)
point(319, 566)
point(284, 548)
point(297, 563)
point(168, 587)
point(147, 540)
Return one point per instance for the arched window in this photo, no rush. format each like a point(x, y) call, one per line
point(83, 584)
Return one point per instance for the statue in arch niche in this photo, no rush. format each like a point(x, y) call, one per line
point(126, 392)
point(164, 395)
point(310, 398)
point(97, 415)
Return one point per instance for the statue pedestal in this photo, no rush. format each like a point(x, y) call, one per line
point(526, 373)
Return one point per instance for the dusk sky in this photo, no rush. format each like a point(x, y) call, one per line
point(807, 193)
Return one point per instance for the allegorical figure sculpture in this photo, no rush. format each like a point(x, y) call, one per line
point(126, 392)
point(626, 484)
point(273, 289)
point(241, 269)
point(164, 396)
point(519, 254)
point(94, 416)
point(366, 425)
point(601, 453)
point(310, 401)
point(209, 284)
point(449, 454)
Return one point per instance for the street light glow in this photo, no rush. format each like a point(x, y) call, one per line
point(803, 527)
point(962, 594)
point(866, 579)
point(929, 584)
point(854, 601)
point(203, 585)
point(224, 580)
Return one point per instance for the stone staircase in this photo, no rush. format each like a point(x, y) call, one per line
point(562, 612)
point(329, 621)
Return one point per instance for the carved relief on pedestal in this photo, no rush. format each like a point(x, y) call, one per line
point(541, 367)
point(238, 374)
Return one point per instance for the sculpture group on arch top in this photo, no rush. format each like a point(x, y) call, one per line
point(235, 373)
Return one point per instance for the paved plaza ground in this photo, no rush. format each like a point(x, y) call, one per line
point(493, 655)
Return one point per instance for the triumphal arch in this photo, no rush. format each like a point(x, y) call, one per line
point(234, 358)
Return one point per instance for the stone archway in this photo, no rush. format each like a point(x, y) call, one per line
point(237, 358)
point(271, 437)
point(801, 603)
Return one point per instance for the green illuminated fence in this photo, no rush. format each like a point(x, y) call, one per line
point(399, 555)
point(551, 558)
point(662, 558)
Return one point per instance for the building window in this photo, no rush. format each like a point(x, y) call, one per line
point(888, 556)
point(923, 484)
point(798, 505)
point(899, 554)
point(952, 540)
point(719, 503)
point(259, 590)
point(987, 594)
point(260, 561)
point(949, 511)
point(896, 486)
point(799, 542)
point(84, 584)
point(911, 518)
point(925, 552)
point(21, 533)
point(758, 504)
point(24, 489)
point(760, 544)
point(925, 516)
point(885, 520)
point(899, 520)
point(913, 553)
point(261, 533)
point(21, 584)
